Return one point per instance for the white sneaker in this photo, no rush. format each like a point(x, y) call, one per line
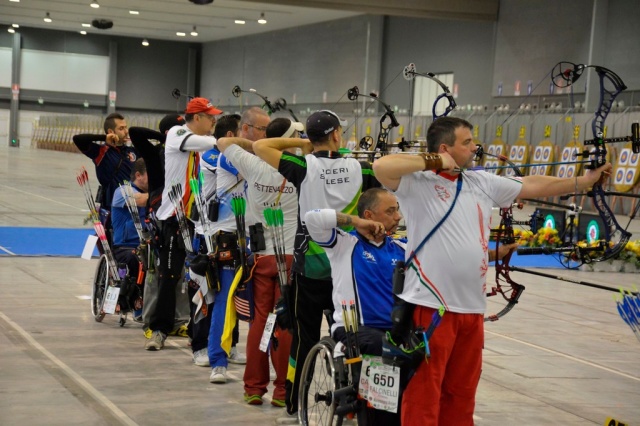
point(287, 419)
point(201, 358)
point(218, 375)
point(236, 357)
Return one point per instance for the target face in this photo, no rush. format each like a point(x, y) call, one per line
point(537, 154)
point(561, 172)
point(629, 176)
point(565, 154)
point(521, 153)
point(619, 176)
point(624, 157)
point(571, 171)
point(547, 153)
point(634, 160)
point(593, 231)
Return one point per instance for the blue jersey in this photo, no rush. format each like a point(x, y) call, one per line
point(124, 229)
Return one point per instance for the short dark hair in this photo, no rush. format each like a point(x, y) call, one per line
point(369, 200)
point(138, 167)
point(442, 131)
point(225, 124)
point(110, 121)
point(277, 127)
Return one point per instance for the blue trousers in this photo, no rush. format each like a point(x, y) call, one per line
point(217, 355)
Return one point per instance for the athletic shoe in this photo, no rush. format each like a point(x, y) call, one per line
point(236, 357)
point(253, 399)
point(180, 331)
point(287, 419)
point(278, 403)
point(156, 342)
point(201, 358)
point(218, 375)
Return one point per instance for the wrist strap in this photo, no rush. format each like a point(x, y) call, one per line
point(431, 161)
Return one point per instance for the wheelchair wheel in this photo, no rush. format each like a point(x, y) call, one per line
point(99, 288)
point(319, 379)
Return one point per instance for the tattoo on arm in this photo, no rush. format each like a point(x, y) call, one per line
point(343, 219)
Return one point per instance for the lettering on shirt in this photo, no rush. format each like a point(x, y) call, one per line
point(271, 188)
point(335, 176)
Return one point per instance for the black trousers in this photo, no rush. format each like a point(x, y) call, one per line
point(172, 256)
point(307, 299)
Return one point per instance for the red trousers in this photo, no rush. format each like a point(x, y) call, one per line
point(266, 292)
point(443, 390)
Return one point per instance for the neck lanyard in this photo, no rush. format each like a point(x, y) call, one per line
point(435, 228)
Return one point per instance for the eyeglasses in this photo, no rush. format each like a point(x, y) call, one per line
point(260, 128)
point(210, 117)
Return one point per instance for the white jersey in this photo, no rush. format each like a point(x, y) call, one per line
point(264, 186)
point(181, 163)
point(450, 269)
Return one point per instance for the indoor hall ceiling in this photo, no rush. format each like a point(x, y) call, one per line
point(162, 19)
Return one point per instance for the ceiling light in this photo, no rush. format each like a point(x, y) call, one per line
point(47, 18)
point(86, 25)
point(15, 25)
point(239, 22)
point(145, 42)
point(134, 12)
point(181, 34)
point(15, 1)
point(262, 20)
point(11, 30)
point(94, 4)
point(83, 32)
point(194, 32)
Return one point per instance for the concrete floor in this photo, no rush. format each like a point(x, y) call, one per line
point(562, 356)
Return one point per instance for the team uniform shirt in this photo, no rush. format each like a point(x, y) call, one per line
point(264, 187)
point(181, 163)
point(229, 182)
point(361, 270)
point(324, 180)
point(113, 164)
point(208, 168)
point(124, 229)
point(450, 269)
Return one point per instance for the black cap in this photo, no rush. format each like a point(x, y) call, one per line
point(170, 120)
point(321, 123)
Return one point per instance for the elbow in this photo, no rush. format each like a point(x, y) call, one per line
point(260, 147)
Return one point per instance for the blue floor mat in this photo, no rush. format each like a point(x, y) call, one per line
point(20, 241)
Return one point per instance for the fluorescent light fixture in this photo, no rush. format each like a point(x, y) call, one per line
point(86, 25)
point(47, 18)
point(194, 32)
point(15, 1)
point(262, 20)
point(134, 12)
point(145, 42)
point(83, 32)
point(94, 4)
point(181, 34)
point(239, 21)
point(11, 30)
point(15, 25)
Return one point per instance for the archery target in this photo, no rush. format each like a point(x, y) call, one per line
point(549, 222)
point(561, 171)
point(593, 231)
point(513, 152)
point(624, 157)
point(619, 177)
point(565, 154)
point(571, 171)
point(630, 177)
point(537, 154)
point(546, 153)
point(633, 161)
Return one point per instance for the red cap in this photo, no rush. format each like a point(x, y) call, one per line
point(198, 105)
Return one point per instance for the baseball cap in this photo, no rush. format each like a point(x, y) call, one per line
point(199, 105)
point(321, 123)
point(283, 127)
point(170, 120)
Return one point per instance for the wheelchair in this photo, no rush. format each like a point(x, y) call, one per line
point(328, 390)
point(129, 298)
